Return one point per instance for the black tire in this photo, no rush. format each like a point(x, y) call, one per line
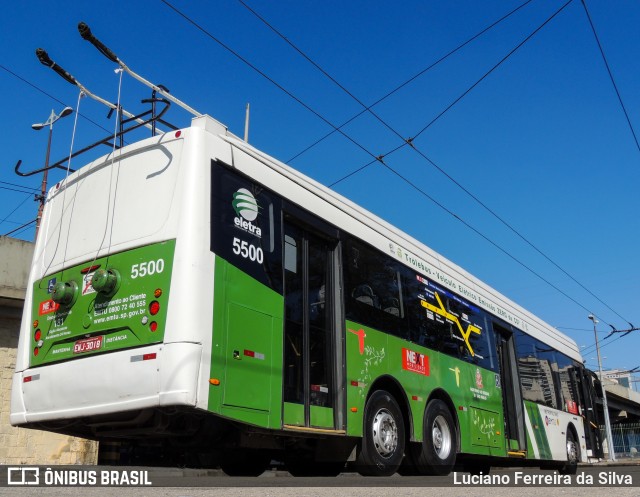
point(246, 463)
point(573, 455)
point(382, 446)
point(408, 466)
point(437, 453)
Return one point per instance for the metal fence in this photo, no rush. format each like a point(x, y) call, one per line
point(626, 439)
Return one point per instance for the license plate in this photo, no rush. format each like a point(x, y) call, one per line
point(87, 345)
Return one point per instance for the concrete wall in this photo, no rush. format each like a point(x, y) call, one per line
point(15, 262)
point(19, 445)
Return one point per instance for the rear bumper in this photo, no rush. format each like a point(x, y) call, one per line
point(152, 376)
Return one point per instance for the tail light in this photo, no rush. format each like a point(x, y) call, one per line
point(154, 307)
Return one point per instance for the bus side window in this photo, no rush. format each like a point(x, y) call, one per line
point(480, 349)
point(570, 400)
point(373, 287)
point(392, 306)
point(421, 328)
point(364, 293)
point(538, 368)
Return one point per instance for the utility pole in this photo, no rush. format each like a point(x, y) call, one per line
point(43, 187)
point(246, 125)
point(605, 406)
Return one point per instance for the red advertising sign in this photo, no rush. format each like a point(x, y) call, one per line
point(415, 362)
point(48, 306)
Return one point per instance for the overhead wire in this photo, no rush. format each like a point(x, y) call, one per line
point(411, 141)
point(8, 221)
point(592, 347)
point(5, 220)
point(613, 81)
point(10, 189)
point(23, 227)
point(376, 158)
point(37, 88)
point(49, 95)
point(264, 75)
point(20, 204)
point(578, 329)
point(325, 73)
point(485, 75)
point(406, 82)
point(27, 188)
point(486, 238)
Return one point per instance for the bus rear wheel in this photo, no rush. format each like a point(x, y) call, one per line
point(573, 455)
point(437, 453)
point(383, 440)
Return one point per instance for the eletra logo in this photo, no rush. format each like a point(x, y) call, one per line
point(245, 204)
point(246, 207)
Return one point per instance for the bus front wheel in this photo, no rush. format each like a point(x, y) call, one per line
point(437, 453)
point(383, 440)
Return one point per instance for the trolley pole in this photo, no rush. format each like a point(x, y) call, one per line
point(607, 423)
point(53, 117)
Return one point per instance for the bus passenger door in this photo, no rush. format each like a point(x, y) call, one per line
point(311, 368)
point(587, 395)
point(514, 429)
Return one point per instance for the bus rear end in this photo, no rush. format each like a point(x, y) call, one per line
point(104, 335)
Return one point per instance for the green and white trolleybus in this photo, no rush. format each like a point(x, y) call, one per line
point(190, 290)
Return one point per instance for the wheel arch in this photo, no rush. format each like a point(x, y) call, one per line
point(393, 387)
point(571, 428)
point(574, 431)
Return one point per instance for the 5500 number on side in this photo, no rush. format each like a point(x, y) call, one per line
point(248, 251)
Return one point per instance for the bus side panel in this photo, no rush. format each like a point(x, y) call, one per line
point(366, 358)
point(547, 432)
point(246, 349)
point(474, 391)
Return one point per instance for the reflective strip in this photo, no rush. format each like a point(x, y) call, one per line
point(145, 357)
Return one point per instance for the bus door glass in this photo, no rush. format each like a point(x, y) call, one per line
point(511, 393)
point(587, 394)
point(309, 381)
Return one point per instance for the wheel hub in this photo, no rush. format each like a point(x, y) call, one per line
point(572, 452)
point(385, 433)
point(441, 436)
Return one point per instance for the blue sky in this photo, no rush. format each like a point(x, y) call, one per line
point(542, 140)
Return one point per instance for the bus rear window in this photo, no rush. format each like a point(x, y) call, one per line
point(110, 203)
